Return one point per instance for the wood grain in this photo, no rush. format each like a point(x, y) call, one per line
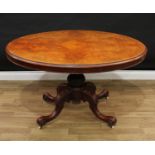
point(21, 103)
point(75, 50)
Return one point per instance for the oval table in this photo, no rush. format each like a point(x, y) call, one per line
point(76, 52)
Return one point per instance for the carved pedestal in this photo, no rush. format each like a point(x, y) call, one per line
point(76, 89)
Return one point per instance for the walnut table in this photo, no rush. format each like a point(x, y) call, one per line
point(76, 52)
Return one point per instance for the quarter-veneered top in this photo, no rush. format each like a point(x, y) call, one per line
point(76, 51)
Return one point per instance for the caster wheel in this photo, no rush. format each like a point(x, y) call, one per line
point(106, 101)
point(112, 122)
point(40, 127)
point(48, 98)
point(41, 122)
point(107, 94)
point(103, 95)
point(107, 98)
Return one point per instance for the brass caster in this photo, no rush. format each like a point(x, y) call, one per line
point(40, 127)
point(112, 122)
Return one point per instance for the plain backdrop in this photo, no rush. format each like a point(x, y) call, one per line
point(140, 26)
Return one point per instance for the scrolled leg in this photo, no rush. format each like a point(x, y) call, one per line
point(63, 94)
point(41, 121)
point(48, 98)
point(60, 89)
point(103, 94)
point(110, 120)
point(93, 104)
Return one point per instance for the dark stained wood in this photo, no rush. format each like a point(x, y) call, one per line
point(76, 51)
point(75, 90)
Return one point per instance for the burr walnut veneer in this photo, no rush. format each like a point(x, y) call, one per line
point(76, 52)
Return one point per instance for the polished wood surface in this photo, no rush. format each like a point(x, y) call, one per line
point(132, 102)
point(76, 51)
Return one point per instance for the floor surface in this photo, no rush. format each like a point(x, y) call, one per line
point(132, 102)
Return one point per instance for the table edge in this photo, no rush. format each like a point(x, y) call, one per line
point(92, 68)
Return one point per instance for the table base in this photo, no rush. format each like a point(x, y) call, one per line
point(76, 89)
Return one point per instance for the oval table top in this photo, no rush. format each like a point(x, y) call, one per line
point(76, 51)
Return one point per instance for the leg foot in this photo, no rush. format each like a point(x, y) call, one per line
point(41, 121)
point(48, 97)
point(103, 94)
point(110, 120)
point(63, 93)
point(92, 99)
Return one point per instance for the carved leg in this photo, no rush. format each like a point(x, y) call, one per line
point(103, 94)
point(48, 98)
point(45, 119)
point(90, 96)
point(63, 93)
point(110, 120)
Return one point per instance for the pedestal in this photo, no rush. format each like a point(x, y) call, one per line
point(76, 89)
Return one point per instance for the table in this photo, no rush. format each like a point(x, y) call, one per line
point(76, 52)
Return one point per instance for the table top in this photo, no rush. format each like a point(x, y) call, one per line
point(76, 51)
